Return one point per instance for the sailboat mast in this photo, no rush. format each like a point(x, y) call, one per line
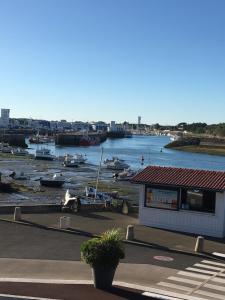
point(99, 169)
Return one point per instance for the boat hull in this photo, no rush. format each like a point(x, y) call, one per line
point(51, 183)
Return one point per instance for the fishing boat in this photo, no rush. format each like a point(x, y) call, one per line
point(43, 154)
point(19, 152)
point(125, 175)
point(69, 161)
point(56, 181)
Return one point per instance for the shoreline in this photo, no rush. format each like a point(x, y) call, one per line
point(201, 149)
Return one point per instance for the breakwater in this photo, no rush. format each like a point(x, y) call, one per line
point(17, 140)
point(78, 139)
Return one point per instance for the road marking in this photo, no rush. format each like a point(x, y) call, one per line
point(24, 297)
point(216, 279)
point(192, 274)
point(175, 286)
point(179, 279)
point(219, 254)
point(209, 294)
point(201, 271)
point(213, 263)
point(171, 294)
point(215, 287)
point(163, 258)
point(209, 267)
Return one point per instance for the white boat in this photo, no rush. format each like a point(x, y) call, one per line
point(116, 165)
point(70, 162)
point(56, 181)
point(44, 154)
point(77, 158)
point(19, 152)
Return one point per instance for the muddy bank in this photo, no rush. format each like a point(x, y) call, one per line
point(27, 188)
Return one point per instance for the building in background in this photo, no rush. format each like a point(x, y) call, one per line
point(4, 120)
point(139, 121)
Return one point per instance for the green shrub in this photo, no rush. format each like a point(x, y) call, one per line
point(105, 251)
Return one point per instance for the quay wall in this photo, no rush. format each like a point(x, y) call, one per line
point(17, 140)
point(75, 139)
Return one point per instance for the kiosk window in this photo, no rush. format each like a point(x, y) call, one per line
point(198, 200)
point(161, 198)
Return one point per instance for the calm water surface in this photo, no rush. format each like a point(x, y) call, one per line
point(132, 149)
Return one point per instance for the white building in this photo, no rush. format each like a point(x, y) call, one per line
point(184, 200)
point(4, 120)
point(115, 127)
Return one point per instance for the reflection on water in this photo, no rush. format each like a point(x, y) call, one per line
point(132, 149)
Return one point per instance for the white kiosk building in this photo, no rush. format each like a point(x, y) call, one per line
point(186, 200)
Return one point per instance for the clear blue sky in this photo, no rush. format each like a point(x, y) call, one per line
point(113, 60)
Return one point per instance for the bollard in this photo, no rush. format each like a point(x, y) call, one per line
point(64, 222)
point(17, 214)
point(199, 246)
point(130, 232)
point(67, 222)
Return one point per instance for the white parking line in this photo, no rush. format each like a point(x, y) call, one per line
point(180, 279)
point(192, 274)
point(213, 263)
point(201, 271)
point(175, 286)
point(209, 294)
point(215, 287)
point(219, 254)
point(209, 267)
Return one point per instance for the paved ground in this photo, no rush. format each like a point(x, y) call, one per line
point(69, 292)
point(97, 222)
point(36, 253)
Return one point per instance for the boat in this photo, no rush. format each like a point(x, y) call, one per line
point(56, 181)
point(116, 165)
point(19, 152)
point(125, 175)
point(77, 158)
point(5, 148)
point(73, 201)
point(44, 154)
point(69, 161)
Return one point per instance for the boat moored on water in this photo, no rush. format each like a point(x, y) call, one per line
point(44, 154)
point(56, 181)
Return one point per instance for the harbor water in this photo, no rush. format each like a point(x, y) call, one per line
point(147, 149)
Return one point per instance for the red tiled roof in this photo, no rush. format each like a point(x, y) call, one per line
point(169, 176)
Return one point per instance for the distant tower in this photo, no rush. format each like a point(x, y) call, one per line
point(5, 117)
point(139, 121)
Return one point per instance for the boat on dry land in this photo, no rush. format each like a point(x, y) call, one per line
point(56, 181)
point(19, 152)
point(44, 154)
point(74, 160)
point(125, 175)
point(116, 164)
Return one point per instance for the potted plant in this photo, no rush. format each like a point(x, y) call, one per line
point(103, 255)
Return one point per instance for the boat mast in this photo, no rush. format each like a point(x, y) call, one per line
point(99, 168)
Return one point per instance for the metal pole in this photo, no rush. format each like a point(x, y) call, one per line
point(99, 168)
